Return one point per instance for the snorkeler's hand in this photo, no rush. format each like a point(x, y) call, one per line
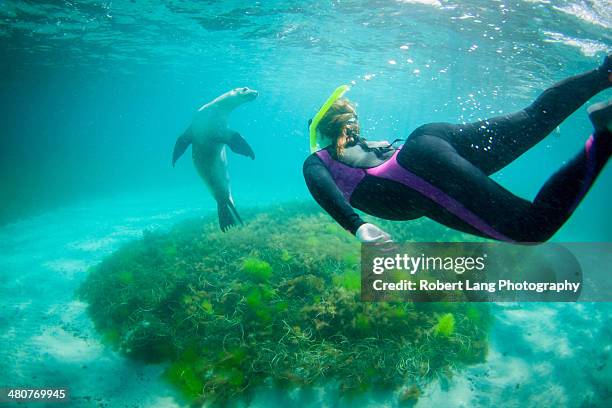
point(371, 233)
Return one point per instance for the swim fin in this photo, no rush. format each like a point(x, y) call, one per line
point(240, 146)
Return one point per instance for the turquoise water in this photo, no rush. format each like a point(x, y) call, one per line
point(94, 95)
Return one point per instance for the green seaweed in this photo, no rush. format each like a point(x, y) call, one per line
point(349, 280)
point(277, 299)
point(256, 269)
point(474, 315)
point(445, 326)
point(111, 337)
point(126, 277)
point(184, 374)
point(362, 322)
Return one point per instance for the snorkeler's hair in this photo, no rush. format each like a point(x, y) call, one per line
point(335, 124)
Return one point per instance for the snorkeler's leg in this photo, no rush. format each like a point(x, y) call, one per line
point(494, 143)
point(564, 190)
point(477, 204)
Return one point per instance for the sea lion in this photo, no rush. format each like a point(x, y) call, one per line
point(208, 134)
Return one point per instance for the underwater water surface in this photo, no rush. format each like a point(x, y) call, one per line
point(94, 94)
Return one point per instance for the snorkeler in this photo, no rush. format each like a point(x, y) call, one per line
point(442, 170)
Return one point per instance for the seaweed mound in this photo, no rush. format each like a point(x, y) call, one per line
point(275, 301)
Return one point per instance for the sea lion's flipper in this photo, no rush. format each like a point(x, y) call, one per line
point(240, 146)
point(227, 215)
point(233, 208)
point(182, 143)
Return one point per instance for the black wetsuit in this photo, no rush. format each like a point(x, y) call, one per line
point(455, 161)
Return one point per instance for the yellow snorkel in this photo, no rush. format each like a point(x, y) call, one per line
point(337, 94)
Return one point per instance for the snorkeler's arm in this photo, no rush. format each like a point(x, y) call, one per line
point(326, 193)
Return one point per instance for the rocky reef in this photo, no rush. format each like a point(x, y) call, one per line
point(276, 301)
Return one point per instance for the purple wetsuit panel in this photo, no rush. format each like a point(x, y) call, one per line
point(391, 170)
point(589, 151)
point(347, 178)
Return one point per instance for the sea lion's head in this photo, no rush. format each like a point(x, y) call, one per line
point(244, 94)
